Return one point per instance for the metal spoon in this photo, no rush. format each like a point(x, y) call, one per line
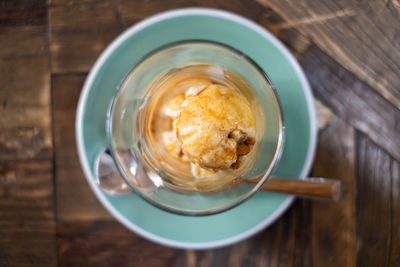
point(111, 182)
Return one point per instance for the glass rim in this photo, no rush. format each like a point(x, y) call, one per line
point(267, 174)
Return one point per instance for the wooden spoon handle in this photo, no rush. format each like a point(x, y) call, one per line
point(310, 187)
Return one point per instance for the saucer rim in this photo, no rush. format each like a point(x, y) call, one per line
point(114, 45)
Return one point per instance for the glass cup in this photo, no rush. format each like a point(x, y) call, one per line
point(133, 154)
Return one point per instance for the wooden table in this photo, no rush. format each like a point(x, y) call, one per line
point(350, 51)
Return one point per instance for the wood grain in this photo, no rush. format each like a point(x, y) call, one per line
point(108, 243)
point(303, 251)
point(79, 32)
point(75, 199)
point(23, 12)
point(324, 114)
point(291, 37)
point(333, 232)
point(24, 95)
point(394, 258)
point(133, 11)
point(360, 36)
point(27, 226)
point(377, 220)
point(353, 100)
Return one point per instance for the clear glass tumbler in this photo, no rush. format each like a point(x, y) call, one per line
point(146, 176)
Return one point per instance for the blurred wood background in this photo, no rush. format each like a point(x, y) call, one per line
point(350, 51)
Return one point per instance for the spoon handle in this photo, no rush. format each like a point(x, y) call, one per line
point(321, 188)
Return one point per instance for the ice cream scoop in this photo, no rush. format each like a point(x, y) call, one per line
point(216, 126)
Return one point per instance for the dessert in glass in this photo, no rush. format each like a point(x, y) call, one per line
point(191, 122)
point(198, 123)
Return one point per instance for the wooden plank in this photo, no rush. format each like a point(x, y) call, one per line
point(353, 100)
point(378, 207)
point(324, 114)
point(79, 31)
point(327, 23)
point(52, 3)
point(27, 227)
point(75, 200)
point(23, 12)
point(23, 41)
point(333, 226)
point(133, 11)
point(24, 95)
point(107, 243)
point(291, 37)
point(303, 251)
point(395, 214)
point(361, 37)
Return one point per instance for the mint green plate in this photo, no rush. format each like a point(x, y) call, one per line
point(198, 23)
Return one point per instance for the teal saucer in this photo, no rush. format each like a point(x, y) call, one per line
point(198, 23)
